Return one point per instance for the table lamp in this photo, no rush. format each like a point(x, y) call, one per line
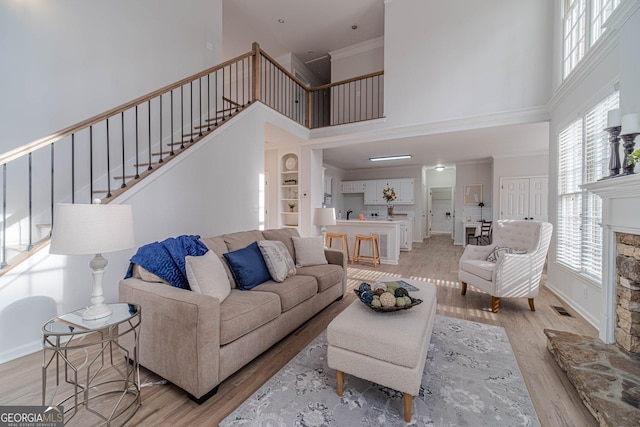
point(324, 217)
point(82, 229)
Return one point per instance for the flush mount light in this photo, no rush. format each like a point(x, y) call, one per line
point(354, 27)
point(281, 21)
point(439, 168)
point(400, 157)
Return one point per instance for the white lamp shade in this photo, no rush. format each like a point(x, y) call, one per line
point(630, 124)
point(324, 216)
point(81, 229)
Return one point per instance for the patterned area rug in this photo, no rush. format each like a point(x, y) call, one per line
point(471, 378)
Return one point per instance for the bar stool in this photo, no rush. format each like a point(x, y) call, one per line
point(375, 249)
point(344, 243)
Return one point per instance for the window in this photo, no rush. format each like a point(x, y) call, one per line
point(576, 32)
point(583, 156)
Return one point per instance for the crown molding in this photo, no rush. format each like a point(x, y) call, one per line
point(357, 48)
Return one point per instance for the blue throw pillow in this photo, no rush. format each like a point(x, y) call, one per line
point(248, 266)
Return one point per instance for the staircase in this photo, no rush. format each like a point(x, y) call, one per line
point(105, 155)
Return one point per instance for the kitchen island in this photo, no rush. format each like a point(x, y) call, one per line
point(388, 233)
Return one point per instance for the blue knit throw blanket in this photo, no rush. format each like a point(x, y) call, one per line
point(166, 259)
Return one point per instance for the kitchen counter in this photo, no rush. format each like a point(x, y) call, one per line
point(388, 233)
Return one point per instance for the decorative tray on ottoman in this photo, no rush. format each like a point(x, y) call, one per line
point(396, 295)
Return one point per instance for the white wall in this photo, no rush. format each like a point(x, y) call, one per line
point(201, 192)
point(357, 60)
point(66, 61)
point(614, 61)
point(470, 174)
point(453, 59)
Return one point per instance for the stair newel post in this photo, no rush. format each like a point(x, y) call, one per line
point(244, 96)
point(30, 245)
point(52, 180)
point(124, 184)
point(3, 262)
point(223, 94)
point(149, 138)
point(200, 105)
point(308, 99)
point(216, 97)
point(191, 109)
point(181, 116)
point(172, 152)
point(137, 151)
point(255, 72)
point(108, 162)
point(161, 152)
point(237, 87)
point(208, 103)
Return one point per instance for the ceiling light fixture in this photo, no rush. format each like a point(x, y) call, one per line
point(439, 168)
point(354, 27)
point(281, 21)
point(400, 157)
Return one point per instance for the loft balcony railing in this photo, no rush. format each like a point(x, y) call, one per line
point(103, 156)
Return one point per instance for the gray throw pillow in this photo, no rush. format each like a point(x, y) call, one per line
point(309, 251)
point(498, 251)
point(207, 275)
point(278, 259)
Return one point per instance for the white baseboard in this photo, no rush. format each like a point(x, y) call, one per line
point(20, 351)
point(577, 307)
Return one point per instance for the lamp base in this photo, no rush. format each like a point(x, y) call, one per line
point(96, 312)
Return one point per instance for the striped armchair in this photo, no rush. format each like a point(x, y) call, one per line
point(514, 274)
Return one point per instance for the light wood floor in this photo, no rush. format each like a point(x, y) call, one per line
point(435, 260)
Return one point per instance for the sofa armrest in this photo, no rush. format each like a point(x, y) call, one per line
point(338, 257)
point(180, 334)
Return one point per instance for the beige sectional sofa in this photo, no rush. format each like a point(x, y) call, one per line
point(196, 342)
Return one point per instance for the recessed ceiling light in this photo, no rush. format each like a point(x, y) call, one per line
point(400, 157)
point(354, 27)
point(281, 21)
point(439, 168)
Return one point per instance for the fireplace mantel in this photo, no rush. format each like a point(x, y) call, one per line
point(620, 213)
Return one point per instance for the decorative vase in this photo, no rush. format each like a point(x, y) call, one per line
point(390, 211)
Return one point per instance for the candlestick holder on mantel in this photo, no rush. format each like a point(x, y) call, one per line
point(614, 156)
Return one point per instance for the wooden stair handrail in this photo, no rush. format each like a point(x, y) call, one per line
point(342, 82)
point(39, 143)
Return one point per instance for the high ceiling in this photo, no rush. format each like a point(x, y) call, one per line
point(311, 29)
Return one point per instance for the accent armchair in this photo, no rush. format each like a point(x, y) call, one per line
point(513, 274)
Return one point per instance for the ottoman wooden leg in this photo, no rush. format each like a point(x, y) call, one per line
point(408, 403)
point(339, 377)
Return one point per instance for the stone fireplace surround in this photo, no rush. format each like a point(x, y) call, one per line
point(606, 375)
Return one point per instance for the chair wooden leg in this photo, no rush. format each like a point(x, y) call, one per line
point(495, 304)
point(339, 378)
point(531, 306)
point(464, 288)
point(408, 403)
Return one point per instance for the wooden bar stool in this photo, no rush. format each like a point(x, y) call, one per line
point(375, 249)
point(344, 243)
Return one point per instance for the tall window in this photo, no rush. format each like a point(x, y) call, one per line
point(582, 22)
point(583, 157)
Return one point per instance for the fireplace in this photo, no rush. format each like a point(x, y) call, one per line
point(606, 371)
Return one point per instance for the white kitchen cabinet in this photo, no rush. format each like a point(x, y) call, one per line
point(403, 188)
point(353, 186)
point(371, 196)
point(405, 191)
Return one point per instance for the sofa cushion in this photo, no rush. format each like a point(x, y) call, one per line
point(292, 291)
point(480, 268)
point(248, 266)
point(207, 276)
point(326, 275)
point(309, 251)
point(217, 245)
point(242, 312)
point(283, 235)
point(241, 239)
point(278, 259)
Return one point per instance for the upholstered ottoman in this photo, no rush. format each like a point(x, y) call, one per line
point(389, 349)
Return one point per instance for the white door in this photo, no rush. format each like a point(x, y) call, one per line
point(441, 202)
point(514, 198)
point(538, 195)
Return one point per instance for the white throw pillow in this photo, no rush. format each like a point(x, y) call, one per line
point(498, 251)
point(207, 275)
point(309, 251)
point(278, 259)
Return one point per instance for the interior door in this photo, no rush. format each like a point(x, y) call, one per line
point(538, 195)
point(514, 198)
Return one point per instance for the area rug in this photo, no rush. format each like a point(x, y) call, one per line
point(471, 378)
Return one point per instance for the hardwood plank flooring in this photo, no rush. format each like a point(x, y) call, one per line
point(434, 260)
